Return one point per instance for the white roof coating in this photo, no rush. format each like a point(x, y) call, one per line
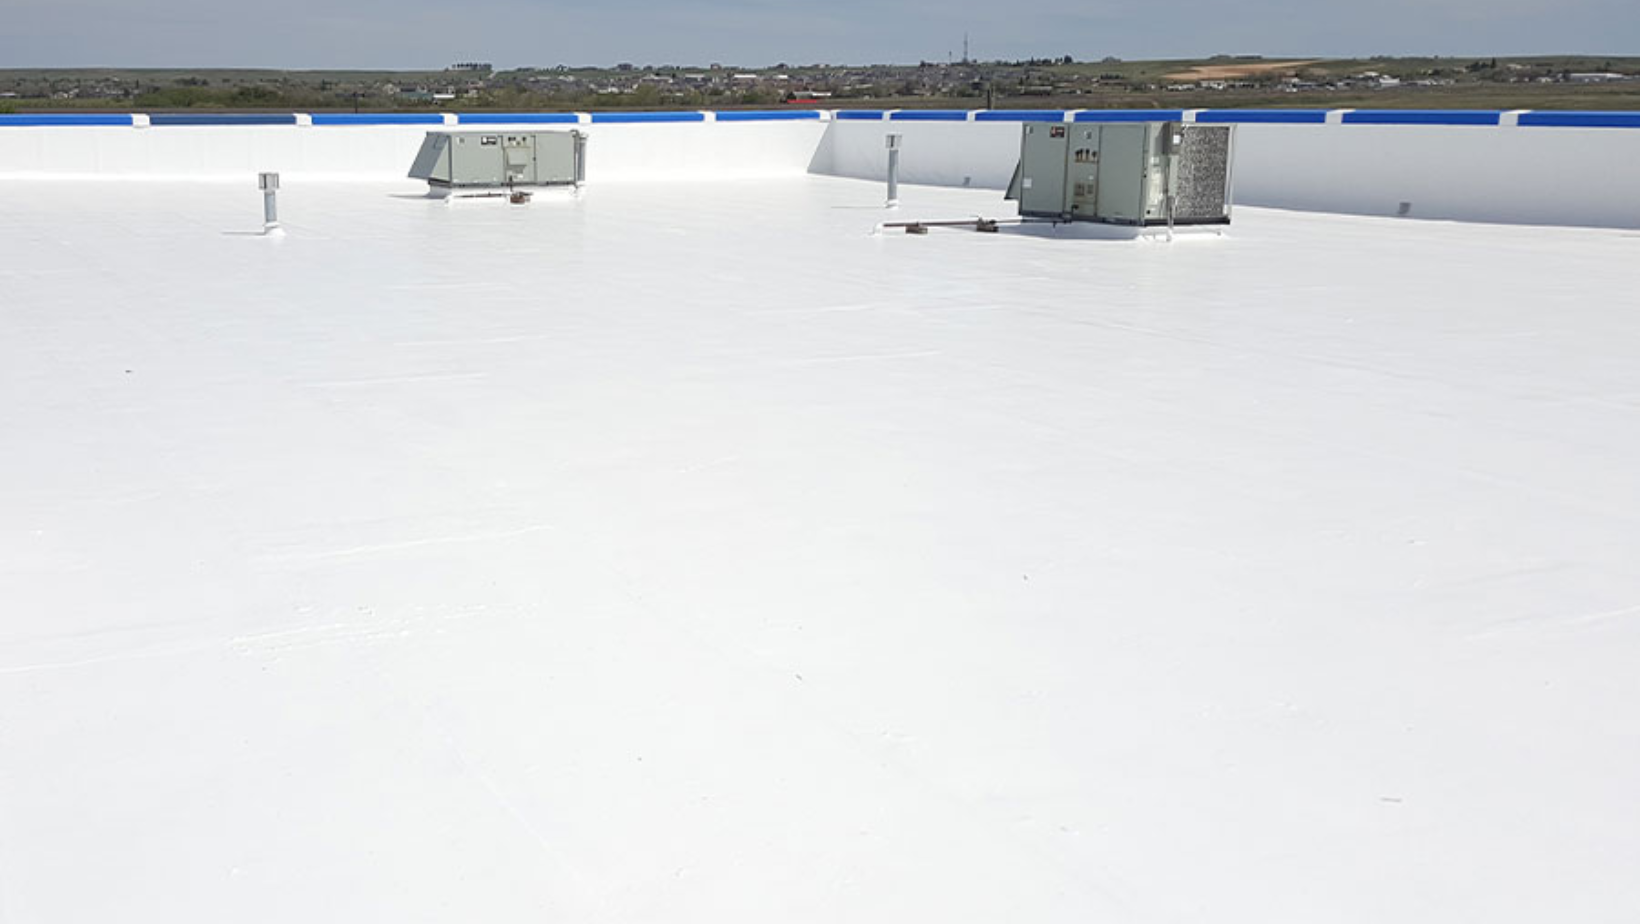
point(686, 552)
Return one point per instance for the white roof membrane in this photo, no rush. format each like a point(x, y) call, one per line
point(686, 551)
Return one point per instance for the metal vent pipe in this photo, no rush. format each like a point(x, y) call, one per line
point(269, 184)
point(893, 170)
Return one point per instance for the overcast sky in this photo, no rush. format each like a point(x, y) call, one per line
point(416, 34)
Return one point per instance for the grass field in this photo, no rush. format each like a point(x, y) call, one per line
point(1220, 82)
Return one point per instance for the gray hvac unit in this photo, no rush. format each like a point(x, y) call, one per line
point(1132, 173)
point(478, 160)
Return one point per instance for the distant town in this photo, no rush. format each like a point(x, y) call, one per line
point(1108, 82)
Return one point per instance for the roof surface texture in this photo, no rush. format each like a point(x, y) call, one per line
point(688, 552)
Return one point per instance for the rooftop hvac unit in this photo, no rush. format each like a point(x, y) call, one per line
point(452, 161)
point(1138, 173)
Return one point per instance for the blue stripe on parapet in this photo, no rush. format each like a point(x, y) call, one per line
point(1130, 115)
point(1421, 117)
point(767, 115)
point(54, 118)
point(930, 115)
point(1581, 119)
point(222, 118)
point(1264, 116)
point(859, 115)
point(615, 117)
point(377, 118)
point(517, 118)
point(1019, 115)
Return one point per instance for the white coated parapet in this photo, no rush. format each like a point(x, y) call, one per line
point(622, 146)
point(1514, 167)
point(1540, 176)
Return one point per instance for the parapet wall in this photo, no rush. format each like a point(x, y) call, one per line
point(1557, 168)
point(1552, 168)
point(623, 146)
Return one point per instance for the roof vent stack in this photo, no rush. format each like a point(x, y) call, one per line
point(269, 184)
point(893, 144)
